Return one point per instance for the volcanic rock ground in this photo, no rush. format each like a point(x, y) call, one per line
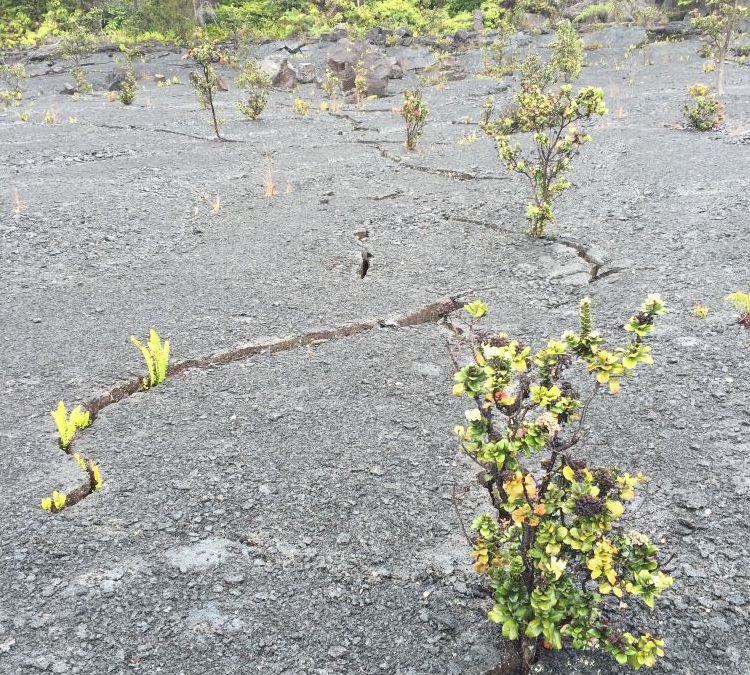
point(291, 513)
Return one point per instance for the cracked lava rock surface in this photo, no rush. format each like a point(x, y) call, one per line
point(291, 512)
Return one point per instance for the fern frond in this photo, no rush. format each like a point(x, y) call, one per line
point(149, 362)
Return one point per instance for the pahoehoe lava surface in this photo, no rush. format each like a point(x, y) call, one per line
point(292, 513)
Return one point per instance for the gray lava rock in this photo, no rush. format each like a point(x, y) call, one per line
point(278, 69)
point(114, 79)
point(378, 69)
point(305, 72)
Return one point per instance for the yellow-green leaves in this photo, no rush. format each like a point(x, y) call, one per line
point(67, 425)
point(477, 308)
point(156, 355)
point(54, 503)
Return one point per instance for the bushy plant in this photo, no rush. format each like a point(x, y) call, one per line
point(599, 12)
point(704, 111)
point(567, 51)
point(128, 87)
point(741, 302)
point(498, 60)
point(717, 29)
point(11, 77)
point(205, 80)
point(549, 116)
point(156, 355)
point(360, 82)
point(255, 84)
point(78, 42)
point(68, 423)
point(301, 107)
point(556, 558)
point(415, 112)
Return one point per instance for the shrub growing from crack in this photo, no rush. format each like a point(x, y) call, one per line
point(553, 550)
point(301, 107)
point(704, 111)
point(567, 51)
point(741, 302)
point(156, 355)
point(255, 84)
point(68, 424)
point(205, 80)
point(549, 116)
point(717, 29)
point(415, 112)
point(498, 60)
point(11, 89)
point(78, 42)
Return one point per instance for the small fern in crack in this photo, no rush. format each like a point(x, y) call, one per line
point(156, 354)
point(67, 425)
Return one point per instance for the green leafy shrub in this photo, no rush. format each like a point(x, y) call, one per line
point(156, 355)
point(11, 77)
point(741, 302)
point(599, 12)
point(68, 424)
point(128, 88)
point(205, 80)
point(301, 107)
point(550, 118)
point(415, 112)
point(498, 60)
point(567, 51)
point(553, 550)
point(717, 29)
point(704, 112)
point(78, 42)
point(255, 84)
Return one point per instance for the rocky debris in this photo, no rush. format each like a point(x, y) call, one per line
point(478, 20)
point(69, 89)
point(114, 79)
point(345, 55)
point(397, 69)
point(278, 69)
point(536, 23)
point(339, 32)
point(305, 72)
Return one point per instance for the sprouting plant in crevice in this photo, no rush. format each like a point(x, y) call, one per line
point(415, 112)
point(741, 302)
point(705, 111)
point(156, 355)
point(11, 77)
point(557, 559)
point(55, 503)
point(128, 87)
point(255, 84)
point(700, 310)
point(550, 117)
point(205, 80)
point(360, 82)
point(68, 424)
point(92, 471)
point(301, 107)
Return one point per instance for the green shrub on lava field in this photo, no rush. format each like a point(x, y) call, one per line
point(704, 112)
point(558, 561)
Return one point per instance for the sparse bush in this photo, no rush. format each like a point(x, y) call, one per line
point(360, 82)
point(535, 71)
point(700, 310)
point(156, 355)
point(553, 550)
point(302, 107)
point(128, 88)
point(741, 302)
point(11, 77)
point(567, 51)
point(205, 80)
point(599, 12)
point(415, 112)
point(550, 118)
point(498, 61)
point(717, 31)
point(331, 85)
point(78, 42)
point(704, 112)
point(256, 84)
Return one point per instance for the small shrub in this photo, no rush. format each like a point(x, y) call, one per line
point(498, 60)
point(596, 13)
point(741, 302)
point(54, 503)
point(256, 85)
point(700, 310)
point(23, 116)
point(717, 29)
point(11, 77)
point(128, 88)
point(360, 83)
point(415, 113)
point(704, 113)
point(550, 118)
point(205, 80)
point(68, 424)
point(156, 355)
point(50, 118)
point(331, 85)
point(301, 107)
point(553, 550)
point(78, 42)
point(567, 51)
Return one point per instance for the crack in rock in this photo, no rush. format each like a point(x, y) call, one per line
point(433, 313)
